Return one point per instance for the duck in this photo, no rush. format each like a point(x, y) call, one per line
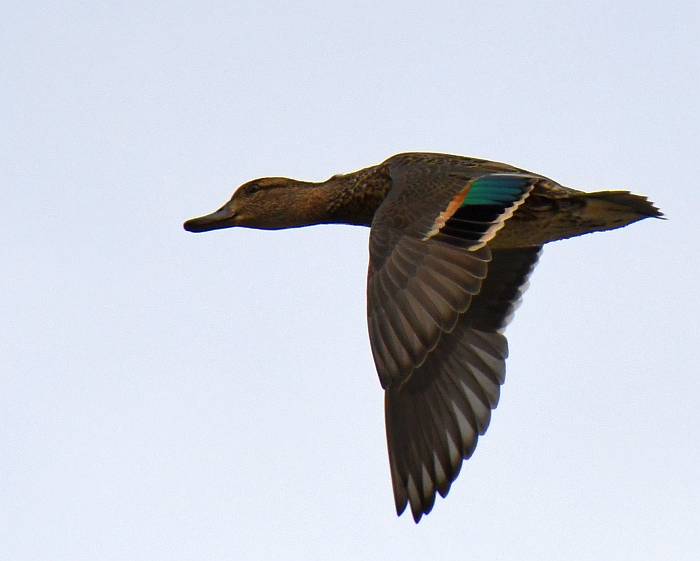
point(452, 243)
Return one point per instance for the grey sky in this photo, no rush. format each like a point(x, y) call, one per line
point(170, 396)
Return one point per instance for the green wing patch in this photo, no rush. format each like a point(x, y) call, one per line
point(499, 190)
point(475, 215)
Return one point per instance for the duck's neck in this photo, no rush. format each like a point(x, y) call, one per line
point(351, 198)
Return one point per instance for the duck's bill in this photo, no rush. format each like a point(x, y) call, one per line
point(222, 218)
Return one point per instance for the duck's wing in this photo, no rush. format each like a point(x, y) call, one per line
point(437, 300)
point(434, 418)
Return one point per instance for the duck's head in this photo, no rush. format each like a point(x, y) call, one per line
point(270, 203)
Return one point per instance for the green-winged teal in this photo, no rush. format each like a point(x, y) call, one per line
point(452, 242)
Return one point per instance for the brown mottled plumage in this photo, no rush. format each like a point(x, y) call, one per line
point(452, 242)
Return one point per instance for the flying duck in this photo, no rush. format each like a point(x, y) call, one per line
point(452, 242)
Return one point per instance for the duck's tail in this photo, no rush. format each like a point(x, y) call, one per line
point(600, 211)
point(617, 203)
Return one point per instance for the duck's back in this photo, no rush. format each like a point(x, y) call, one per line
point(550, 211)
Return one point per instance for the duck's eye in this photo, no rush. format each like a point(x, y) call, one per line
point(252, 188)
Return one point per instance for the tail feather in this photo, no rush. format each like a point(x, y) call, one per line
point(624, 201)
point(598, 212)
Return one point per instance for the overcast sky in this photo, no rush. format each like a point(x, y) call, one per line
point(166, 396)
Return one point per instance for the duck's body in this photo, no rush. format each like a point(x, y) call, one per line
point(452, 242)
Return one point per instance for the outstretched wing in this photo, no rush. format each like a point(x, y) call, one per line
point(429, 267)
point(434, 418)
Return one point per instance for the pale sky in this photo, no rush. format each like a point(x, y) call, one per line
point(166, 396)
